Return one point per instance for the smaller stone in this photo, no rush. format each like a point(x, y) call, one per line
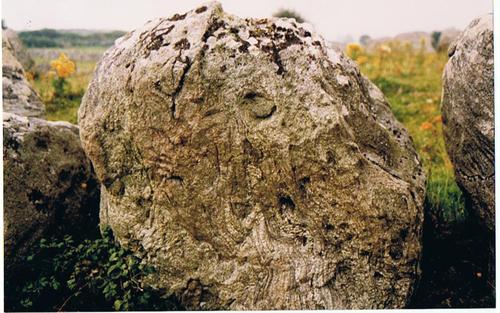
point(19, 50)
point(468, 117)
point(469, 124)
point(18, 96)
point(49, 185)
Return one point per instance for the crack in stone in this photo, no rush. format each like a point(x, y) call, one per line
point(187, 66)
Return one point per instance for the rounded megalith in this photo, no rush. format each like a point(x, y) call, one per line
point(468, 122)
point(253, 166)
point(49, 186)
point(468, 125)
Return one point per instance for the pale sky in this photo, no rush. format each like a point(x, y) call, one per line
point(334, 19)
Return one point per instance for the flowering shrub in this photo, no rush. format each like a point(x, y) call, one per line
point(63, 68)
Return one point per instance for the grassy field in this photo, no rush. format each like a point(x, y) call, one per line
point(410, 79)
point(63, 108)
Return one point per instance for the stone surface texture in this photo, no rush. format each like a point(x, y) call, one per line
point(19, 50)
point(49, 185)
point(468, 121)
point(253, 166)
point(18, 96)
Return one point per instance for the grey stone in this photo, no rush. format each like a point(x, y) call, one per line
point(468, 121)
point(254, 167)
point(18, 96)
point(49, 186)
point(19, 50)
point(469, 127)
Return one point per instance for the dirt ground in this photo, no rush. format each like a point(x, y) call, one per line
point(454, 264)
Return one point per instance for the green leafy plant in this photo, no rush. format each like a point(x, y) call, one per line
point(90, 275)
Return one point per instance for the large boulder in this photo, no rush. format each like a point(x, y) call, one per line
point(49, 185)
point(19, 50)
point(468, 122)
point(253, 166)
point(18, 96)
point(468, 125)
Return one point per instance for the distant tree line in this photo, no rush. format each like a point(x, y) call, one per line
point(50, 38)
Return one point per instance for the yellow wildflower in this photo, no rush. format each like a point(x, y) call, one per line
point(63, 66)
point(353, 50)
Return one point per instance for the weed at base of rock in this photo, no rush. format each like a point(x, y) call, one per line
point(92, 274)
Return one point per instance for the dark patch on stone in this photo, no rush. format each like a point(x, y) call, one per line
point(182, 44)
point(156, 40)
point(327, 225)
point(403, 233)
point(241, 210)
point(212, 28)
point(344, 225)
point(364, 253)
point(38, 199)
point(64, 175)
point(251, 95)
point(10, 142)
point(244, 47)
point(303, 239)
point(292, 39)
point(176, 178)
point(278, 36)
point(254, 153)
point(377, 275)
point(342, 267)
point(211, 112)
point(42, 141)
point(303, 182)
point(285, 203)
point(267, 115)
point(201, 9)
point(157, 85)
point(331, 158)
point(396, 250)
point(304, 33)
point(178, 17)
point(275, 57)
